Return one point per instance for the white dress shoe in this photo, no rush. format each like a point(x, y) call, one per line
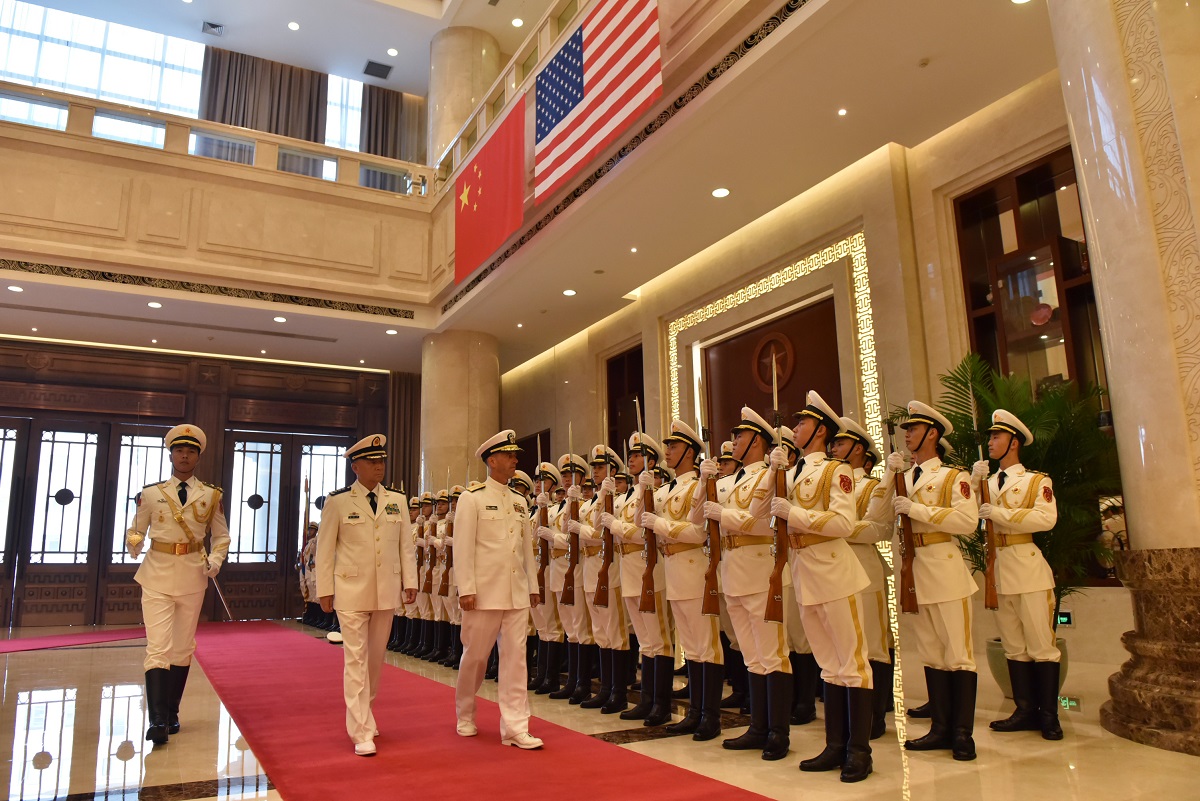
point(365, 749)
point(466, 729)
point(523, 740)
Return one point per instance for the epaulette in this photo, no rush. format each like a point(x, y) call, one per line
point(476, 488)
point(155, 484)
point(519, 495)
point(1037, 472)
point(211, 486)
point(393, 489)
point(339, 492)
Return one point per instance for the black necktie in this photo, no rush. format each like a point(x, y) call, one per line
point(799, 467)
point(916, 474)
point(371, 500)
point(740, 474)
point(672, 485)
point(1000, 479)
point(182, 493)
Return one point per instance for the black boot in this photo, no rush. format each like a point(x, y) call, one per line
point(881, 678)
point(391, 643)
point(589, 665)
point(862, 704)
point(925, 710)
point(1025, 716)
point(713, 676)
point(941, 705)
point(755, 737)
point(684, 691)
point(572, 674)
point(158, 684)
point(779, 715)
point(642, 710)
point(532, 661)
point(553, 671)
point(542, 661)
point(312, 613)
point(493, 667)
point(179, 674)
point(735, 671)
point(426, 644)
point(964, 684)
point(660, 689)
point(452, 650)
point(837, 725)
point(691, 721)
point(600, 698)
point(442, 642)
point(411, 642)
point(618, 699)
point(1046, 683)
point(806, 675)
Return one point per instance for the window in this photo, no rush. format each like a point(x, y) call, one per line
point(343, 120)
point(143, 459)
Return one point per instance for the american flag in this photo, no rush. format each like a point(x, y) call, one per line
point(604, 77)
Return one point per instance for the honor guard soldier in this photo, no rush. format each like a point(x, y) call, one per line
point(941, 505)
point(451, 610)
point(498, 585)
point(873, 507)
point(545, 615)
point(680, 545)
point(435, 543)
point(412, 640)
point(306, 565)
point(364, 561)
point(819, 510)
point(1021, 504)
point(727, 464)
point(426, 637)
point(405, 619)
point(175, 514)
point(746, 566)
point(608, 622)
point(653, 629)
point(583, 657)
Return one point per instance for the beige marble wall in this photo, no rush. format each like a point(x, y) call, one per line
point(463, 64)
point(460, 391)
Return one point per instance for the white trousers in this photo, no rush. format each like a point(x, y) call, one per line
point(446, 606)
point(545, 619)
point(481, 629)
point(1026, 622)
point(170, 622)
point(364, 640)
point(424, 606)
point(876, 626)
point(835, 632)
point(653, 629)
point(763, 645)
point(608, 622)
point(699, 634)
point(575, 619)
point(797, 638)
point(943, 634)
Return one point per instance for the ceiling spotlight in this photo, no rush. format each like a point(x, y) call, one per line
point(393, 51)
point(841, 112)
point(1019, 2)
point(295, 26)
point(520, 325)
point(34, 330)
point(1033, 258)
point(1045, 336)
point(155, 341)
point(154, 304)
point(187, 1)
point(362, 361)
point(633, 250)
point(570, 293)
point(720, 192)
point(281, 319)
point(518, 22)
point(263, 352)
point(1062, 189)
point(15, 288)
point(391, 332)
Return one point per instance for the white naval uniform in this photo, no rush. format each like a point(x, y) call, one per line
point(443, 546)
point(424, 602)
point(545, 615)
point(494, 563)
point(575, 619)
point(608, 622)
point(943, 503)
point(173, 585)
point(873, 505)
point(653, 629)
point(826, 575)
point(308, 562)
point(364, 562)
point(1024, 581)
point(746, 568)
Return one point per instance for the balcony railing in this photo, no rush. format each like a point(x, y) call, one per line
point(202, 139)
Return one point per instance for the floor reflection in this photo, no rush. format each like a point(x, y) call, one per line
point(121, 744)
point(42, 740)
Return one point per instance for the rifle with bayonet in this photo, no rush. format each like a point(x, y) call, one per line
point(607, 545)
point(908, 546)
point(544, 522)
point(779, 548)
point(711, 602)
point(646, 600)
point(568, 591)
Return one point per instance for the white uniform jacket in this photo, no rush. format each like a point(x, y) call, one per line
point(155, 518)
point(556, 574)
point(592, 536)
point(1025, 506)
point(629, 535)
point(685, 570)
point(942, 503)
point(876, 521)
point(493, 538)
point(365, 558)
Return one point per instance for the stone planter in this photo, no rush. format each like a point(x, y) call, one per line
point(999, 665)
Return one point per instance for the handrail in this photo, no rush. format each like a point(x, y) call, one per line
point(82, 112)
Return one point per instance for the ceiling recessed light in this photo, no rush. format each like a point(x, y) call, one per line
point(295, 26)
point(362, 361)
point(1062, 189)
point(520, 325)
point(15, 288)
point(263, 352)
point(633, 250)
point(1033, 258)
point(570, 293)
point(1019, 2)
point(393, 51)
point(1045, 336)
point(34, 330)
point(154, 304)
point(518, 22)
point(281, 319)
point(187, 1)
point(154, 342)
point(720, 192)
point(841, 112)
point(391, 332)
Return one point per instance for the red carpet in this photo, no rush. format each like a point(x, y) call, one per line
point(284, 691)
point(64, 640)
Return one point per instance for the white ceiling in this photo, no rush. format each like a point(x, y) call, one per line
point(335, 36)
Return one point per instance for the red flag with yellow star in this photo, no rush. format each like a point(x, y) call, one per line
point(490, 195)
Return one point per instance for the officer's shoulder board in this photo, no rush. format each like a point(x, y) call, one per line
point(339, 492)
point(476, 489)
point(519, 495)
point(1037, 473)
point(393, 489)
point(211, 486)
point(156, 484)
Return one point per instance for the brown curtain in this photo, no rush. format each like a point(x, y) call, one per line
point(252, 92)
point(405, 435)
point(393, 124)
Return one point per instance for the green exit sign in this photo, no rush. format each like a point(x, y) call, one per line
point(1068, 703)
point(1066, 618)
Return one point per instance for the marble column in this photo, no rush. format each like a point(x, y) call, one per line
point(460, 404)
point(463, 64)
point(1130, 71)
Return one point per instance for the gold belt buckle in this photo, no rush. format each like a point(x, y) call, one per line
point(181, 548)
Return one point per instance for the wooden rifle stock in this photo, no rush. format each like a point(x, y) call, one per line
point(543, 552)
point(908, 547)
point(774, 611)
point(711, 603)
point(990, 600)
point(444, 587)
point(568, 591)
point(646, 602)
point(430, 557)
point(606, 559)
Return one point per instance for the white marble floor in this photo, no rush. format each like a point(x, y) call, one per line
point(71, 726)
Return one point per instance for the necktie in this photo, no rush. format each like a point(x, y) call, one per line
point(371, 500)
point(1000, 479)
point(740, 475)
point(672, 485)
point(182, 493)
point(916, 475)
point(799, 467)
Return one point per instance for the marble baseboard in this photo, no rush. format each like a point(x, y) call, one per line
point(1155, 697)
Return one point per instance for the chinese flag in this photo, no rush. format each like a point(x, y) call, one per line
point(489, 195)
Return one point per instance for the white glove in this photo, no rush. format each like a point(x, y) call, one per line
point(781, 508)
point(708, 469)
point(134, 542)
point(713, 510)
point(648, 520)
point(543, 500)
point(574, 493)
point(450, 516)
point(979, 471)
point(901, 504)
point(608, 486)
point(607, 520)
point(212, 570)
point(985, 511)
point(896, 462)
point(574, 527)
point(421, 520)
point(545, 533)
point(645, 479)
point(135, 551)
point(779, 457)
